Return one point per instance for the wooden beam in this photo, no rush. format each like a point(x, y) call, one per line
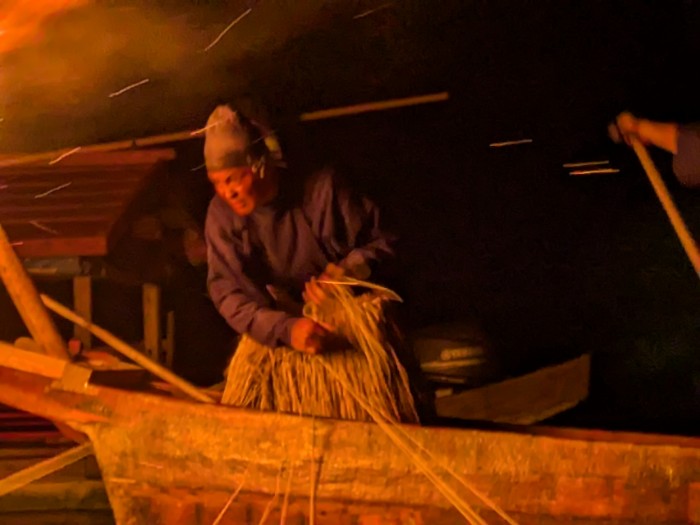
point(27, 301)
point(168, 138)
point(82, 303)
point(95, 154)
point(27, 361)
point(151, 321)
point(44, 468)
point(85, 245)
point(128, 351)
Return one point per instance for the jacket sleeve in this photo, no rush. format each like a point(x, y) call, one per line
point(358, 227)
point(246, 307)
point(686, 163)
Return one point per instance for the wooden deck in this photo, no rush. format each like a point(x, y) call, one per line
point(75, 207)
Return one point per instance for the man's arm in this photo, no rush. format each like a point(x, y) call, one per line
point(245, 307)
point(353, 222)
point(686, 163)
point(682, 141)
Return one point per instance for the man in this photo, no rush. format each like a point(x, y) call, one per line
point(270, 235)
point(682, 141)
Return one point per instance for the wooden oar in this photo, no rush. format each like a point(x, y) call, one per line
point(691, 249)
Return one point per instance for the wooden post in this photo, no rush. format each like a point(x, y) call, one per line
point(169, 341)
point(151, 321)
point(27, 301)
point(82, 304)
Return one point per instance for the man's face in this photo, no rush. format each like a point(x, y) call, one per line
point(238, 187)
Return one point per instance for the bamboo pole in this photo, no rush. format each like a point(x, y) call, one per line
point(664, 196)
point(43, 468)
point(374, 106)
point(26, 299)
point(180, 136)
point(128, 351)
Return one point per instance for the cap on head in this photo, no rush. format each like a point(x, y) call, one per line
point(231, 140)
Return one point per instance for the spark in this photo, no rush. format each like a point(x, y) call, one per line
point(371, 11)
point(208, 126)
point(228, 28)
point(130, 86)
point(595, 172)
point(17, 243)
point(66, 154)
point(584, 164)
point(42, 227)
point(509, 143)
point(49, 192)
point(150, 465)
point(197, 168)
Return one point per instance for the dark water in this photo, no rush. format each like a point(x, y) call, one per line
point(549, 265)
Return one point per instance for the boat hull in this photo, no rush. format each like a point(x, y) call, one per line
point(158, 449)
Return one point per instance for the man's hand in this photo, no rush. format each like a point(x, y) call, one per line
point(661, 134)
point(314, 292)
point(308, 337)
point(625, 126)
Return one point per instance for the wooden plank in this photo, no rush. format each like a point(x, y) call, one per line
point(47, 207)
point(67, 168)
point(53, 219)
point(72, 239)
point(33, 177)
point(96, 156)
point(82, 304)
point(63, 495)
point(525, 399)
point(12, 465)
point(95, 245)
point(151, 321)
point(31, 362)
point(78, 517)
point(23, 437)
point(43, 468)
point(76, 197)
point(80, 228)
point(29, 186)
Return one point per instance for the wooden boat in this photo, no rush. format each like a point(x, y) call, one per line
point(166, 460)
point(170, 460)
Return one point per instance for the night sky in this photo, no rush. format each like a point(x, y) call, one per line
point(547, 264)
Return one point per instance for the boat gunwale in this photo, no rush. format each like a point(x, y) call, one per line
point(111, 395)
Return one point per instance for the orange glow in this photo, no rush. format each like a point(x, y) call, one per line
point(21, 20)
